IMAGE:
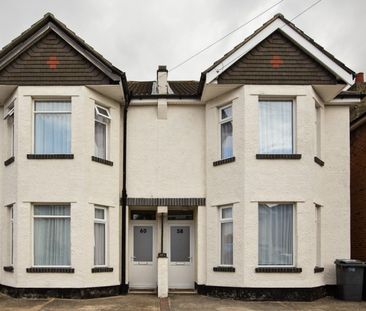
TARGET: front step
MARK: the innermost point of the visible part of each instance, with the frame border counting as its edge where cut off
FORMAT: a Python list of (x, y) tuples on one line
[(142, 291), (179, 291)]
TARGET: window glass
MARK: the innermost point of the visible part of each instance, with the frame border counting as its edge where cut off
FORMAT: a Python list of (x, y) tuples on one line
[(180, 215), (52, 235), (100, 236), (226, 236), (180, 244), (318, 236), (276, 127), (276, 234), (226, 132), (143, 243), (52, 127), (143, 215), (101, 122)]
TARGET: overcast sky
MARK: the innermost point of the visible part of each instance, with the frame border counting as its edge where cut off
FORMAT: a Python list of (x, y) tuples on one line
[(137, 36)]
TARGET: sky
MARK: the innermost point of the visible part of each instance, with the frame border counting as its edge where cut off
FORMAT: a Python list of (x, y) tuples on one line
[(137, 36)]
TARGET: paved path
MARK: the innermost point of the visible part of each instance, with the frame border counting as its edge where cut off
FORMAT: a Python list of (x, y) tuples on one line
[(175, 303)]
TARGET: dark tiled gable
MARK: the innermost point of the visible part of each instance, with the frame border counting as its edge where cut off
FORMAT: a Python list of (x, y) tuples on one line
[(52, 61), (277, 60)]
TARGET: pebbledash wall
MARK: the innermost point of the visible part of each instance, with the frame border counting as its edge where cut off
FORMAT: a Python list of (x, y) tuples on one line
[(173, 151), (79, 181)]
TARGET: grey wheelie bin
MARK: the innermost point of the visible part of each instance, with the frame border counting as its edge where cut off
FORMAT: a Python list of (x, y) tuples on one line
[(349, 279)]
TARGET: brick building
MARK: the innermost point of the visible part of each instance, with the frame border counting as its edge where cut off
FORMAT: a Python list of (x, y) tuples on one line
[(358, 172)]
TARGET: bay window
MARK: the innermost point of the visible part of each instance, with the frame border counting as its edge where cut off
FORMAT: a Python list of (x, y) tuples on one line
[(101, 124), (51, 225), (52, 127), (276, 127), (226, 132), (226, 235), (100, 236), (276, 234)]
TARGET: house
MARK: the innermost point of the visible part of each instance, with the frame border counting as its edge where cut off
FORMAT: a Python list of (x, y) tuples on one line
[(358, 171), (236, 185)]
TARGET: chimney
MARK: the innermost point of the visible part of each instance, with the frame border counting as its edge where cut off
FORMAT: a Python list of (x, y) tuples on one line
[(359, 78), (162, 79)]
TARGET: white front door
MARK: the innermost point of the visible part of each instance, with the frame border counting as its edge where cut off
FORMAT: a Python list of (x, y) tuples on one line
[(143, 270), (181, 254)]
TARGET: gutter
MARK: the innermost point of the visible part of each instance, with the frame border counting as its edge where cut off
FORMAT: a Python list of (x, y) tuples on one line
[(124, 86)]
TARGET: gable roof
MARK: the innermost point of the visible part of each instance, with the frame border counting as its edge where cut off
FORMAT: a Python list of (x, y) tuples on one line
[(49, 24), (279, 22)]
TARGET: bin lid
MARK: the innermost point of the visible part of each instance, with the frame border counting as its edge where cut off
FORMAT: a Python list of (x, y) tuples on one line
[(349, 262)]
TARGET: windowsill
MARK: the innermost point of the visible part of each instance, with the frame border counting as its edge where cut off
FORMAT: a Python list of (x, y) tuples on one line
[(294, 156), (224, 161), (102, 161), (8, 268), (101, 269), (49, 156), (9, 161), (318, 269), (224, 269), (50, 270), (318, 161), (278, 270)]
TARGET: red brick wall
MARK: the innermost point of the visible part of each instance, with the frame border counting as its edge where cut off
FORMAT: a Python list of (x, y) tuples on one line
[(358, 193)]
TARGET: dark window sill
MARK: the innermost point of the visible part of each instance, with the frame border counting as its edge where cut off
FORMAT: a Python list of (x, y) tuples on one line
[(50, 270), (318, 161), (9, 161), (278, 156), (8, 268), (223, 269), (224, 161), (278, 270), (49, 156), (101, 269), (102, 161), (318, 269)]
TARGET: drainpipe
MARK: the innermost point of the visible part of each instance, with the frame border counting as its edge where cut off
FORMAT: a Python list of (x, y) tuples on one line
[(124, 86)]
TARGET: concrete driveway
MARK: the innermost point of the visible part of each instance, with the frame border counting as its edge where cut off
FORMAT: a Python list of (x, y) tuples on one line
[(176, 302)]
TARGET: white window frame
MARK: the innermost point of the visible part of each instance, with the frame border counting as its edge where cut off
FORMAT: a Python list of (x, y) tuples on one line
[(221, 221), (223, 121), (10, 218), (34, 113), (105, 222), (318, 235), (50, 216), (294, 121), (318, 130), (106, 110), (8, 115), (107, 129), (294, 237)]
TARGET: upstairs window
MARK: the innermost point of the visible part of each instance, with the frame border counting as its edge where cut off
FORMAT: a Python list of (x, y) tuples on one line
[(101, 125), (226, 132), (318, 129), (52, 127), (276, 128), (9, 117)]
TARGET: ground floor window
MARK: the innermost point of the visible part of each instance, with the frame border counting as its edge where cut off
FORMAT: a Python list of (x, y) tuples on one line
[(276, 231), (51, 235), (10, 229), (100, 236), (226, 235)]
